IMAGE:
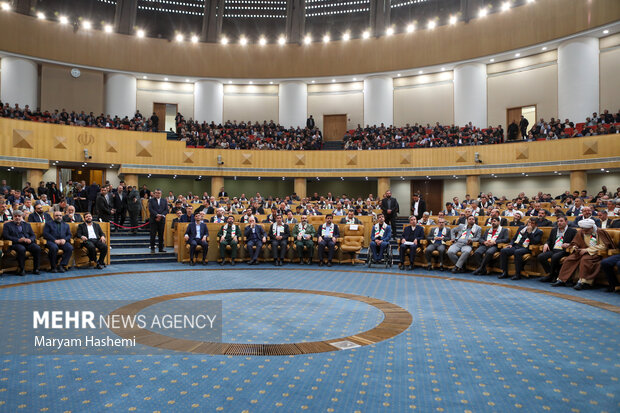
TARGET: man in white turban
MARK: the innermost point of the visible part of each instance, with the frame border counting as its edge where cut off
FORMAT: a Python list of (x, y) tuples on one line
[(584, 255)]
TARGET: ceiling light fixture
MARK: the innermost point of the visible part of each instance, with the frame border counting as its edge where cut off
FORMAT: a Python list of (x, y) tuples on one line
[(431, 24), (410, 28), (282, 40), (224, 40), (452, 20), (326, 38), (41, 15), (506, 6), (179, 37), (63, 20), (194, 39), (366, 35), (389, 31), (346, 37), (6, 6), (140, 33), (307, 39), (262, 41), (243, 41), (86, 25), (483, 12), (107, 28)]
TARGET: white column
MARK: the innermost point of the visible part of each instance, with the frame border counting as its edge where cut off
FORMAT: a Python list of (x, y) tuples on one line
[(19, 82), (209, 101), (578, 78), (120, 95), (378, 101), (292, 104), (470, 94)]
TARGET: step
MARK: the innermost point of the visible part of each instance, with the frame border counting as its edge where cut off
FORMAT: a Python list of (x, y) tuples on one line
[(149, 259), (139, 254), (130, 238), (144, 244)]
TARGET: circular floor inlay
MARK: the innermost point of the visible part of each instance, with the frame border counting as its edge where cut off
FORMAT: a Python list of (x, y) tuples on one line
[(395, 320)]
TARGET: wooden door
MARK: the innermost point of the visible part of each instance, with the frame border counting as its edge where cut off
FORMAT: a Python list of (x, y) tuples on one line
[(160, 111), (96, 175), (334, 127), (513, 114), (431, 191)]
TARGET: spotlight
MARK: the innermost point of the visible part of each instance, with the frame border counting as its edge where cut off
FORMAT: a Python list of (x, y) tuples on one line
[(230, 82), (307, 39), (107, 28), (398, 75), (271, 83), (243, 41), (140, 33), (506, 6), (333, 80), (410, 28), (605, 31), (63, 20), (41, 15), (531, 1), (313, 81), (251, 82), (389, 31), (443, 69), (366, 35), (179, 37), (354, 79), (86, 25), (517, 54), (194, 39), (166, 79), (281, 40), (187, 80), (346, 36), (453, 20), (544, 48), (6, 6), (262, 41), (483, 12), (224, 40), (326, 38), (492, 60), (420, 72), (144, 77), (431, 24)]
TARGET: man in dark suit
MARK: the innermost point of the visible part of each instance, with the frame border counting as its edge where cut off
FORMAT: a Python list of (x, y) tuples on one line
[(523, 126), (555, 248), (495, 214), (93, 191), (418, 206), (586, 212), (222, 193), (542, 219), (134, 206), (525, 237), (437, 238), (497, 234), (58, 236), (196, 234), (104, 207), (5, 213), (278, 235), (158, 208), (71, 216), (93, 239), (254, 237), (615, 223), (310, 122), (327, 234), (390, 209), (120, 205), (21, 235), (350, 218), (410, 240), (38, 215)]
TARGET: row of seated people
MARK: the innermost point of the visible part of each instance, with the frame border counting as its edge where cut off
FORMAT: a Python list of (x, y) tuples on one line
[(562, 250), (438, 135), (58, 239)]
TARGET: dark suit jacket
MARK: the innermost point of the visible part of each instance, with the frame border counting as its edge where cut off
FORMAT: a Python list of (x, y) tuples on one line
[(186, 218), (544, 223), (463, 220), (82, 230), (154, 209), (421, 208), (393, 205), (319, 232), (120, 203), (132, 205), (572, 211), (76, 218), (502, 238), (10, 232), (285, 235), (191, 230), (51, 232), (93, 190), (568, 236), (615, 223), (410, 234), (502, 222), (534, 237), (104, 209), (260, 233), (222, 194), (34, 217), (344, 221)]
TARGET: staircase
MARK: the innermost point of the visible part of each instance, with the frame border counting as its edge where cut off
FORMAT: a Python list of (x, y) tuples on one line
[(400, 223), (127, 248)]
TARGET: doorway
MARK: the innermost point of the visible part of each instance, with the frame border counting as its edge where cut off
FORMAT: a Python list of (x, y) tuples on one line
[(166, 112), (528, 112), (431, 191), (89, 175), (334, 127)]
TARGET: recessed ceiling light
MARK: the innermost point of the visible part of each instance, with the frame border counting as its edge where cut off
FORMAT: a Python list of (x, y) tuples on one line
[(271, 83), (452, 19), (63, 20), (333, 80), (605, 31), (179, 37), (326, 38), (398, 75), (281, 40), (443, 68), (86, 25), (107, 28), (389, 31), (483, 12), (140, 33), (229, 82), (420, 72), (144, 77), (346, 36), (6, 6), (251, 82), (307, 39), (492, 60), (410, 28), (354, 79), (243, 41), (517, 54), (166, 79), (313, 81), (262, 41), (366, 35), (544, 48), (431, 24), (41, 15), (187, 80), (506, 6), (224, 40), (194, 39)]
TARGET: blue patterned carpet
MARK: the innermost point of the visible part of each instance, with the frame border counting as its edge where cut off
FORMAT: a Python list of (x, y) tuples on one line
[(471, 347)]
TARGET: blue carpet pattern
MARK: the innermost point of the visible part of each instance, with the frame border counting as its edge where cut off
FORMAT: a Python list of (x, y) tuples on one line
[(470, 347)]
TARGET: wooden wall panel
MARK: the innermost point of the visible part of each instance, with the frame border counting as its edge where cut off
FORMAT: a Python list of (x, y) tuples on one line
[(546, 20)]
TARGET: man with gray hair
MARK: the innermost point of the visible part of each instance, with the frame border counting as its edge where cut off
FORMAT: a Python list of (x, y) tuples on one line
[(21, 235), (464, 236)]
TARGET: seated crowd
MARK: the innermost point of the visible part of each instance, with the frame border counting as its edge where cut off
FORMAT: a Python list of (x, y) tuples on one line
[(441, 136)]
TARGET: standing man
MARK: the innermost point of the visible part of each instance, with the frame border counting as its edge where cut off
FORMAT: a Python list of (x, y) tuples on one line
[(120, 205), (310, 122), (254, 237), (93, 190), (328, 233), (158, 208), (229, 235), (93, 238), (21, 235), (555, 249), (134, 206), (390, 208), (197, 234), (418, 206), (58, 236), (523, 126), (278, 235), (104, 207), (303, 233)]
